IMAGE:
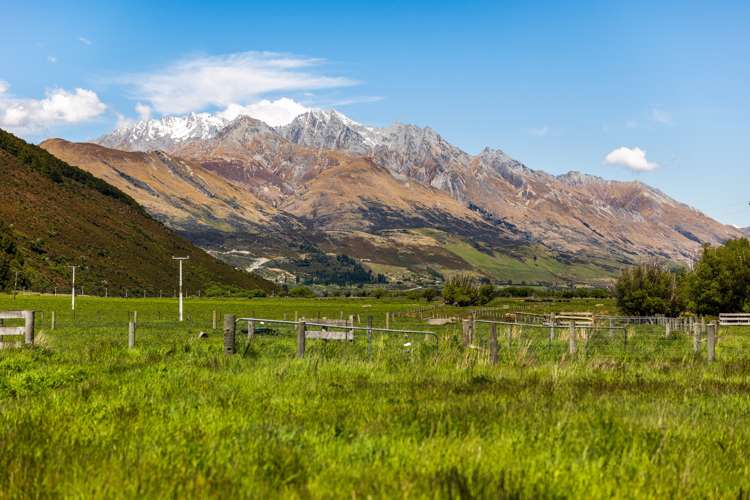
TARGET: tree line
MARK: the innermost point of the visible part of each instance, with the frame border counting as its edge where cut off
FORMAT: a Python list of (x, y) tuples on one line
[(718, 283)]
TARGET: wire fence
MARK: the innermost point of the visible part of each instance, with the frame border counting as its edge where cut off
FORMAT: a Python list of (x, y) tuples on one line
[(537, 337)]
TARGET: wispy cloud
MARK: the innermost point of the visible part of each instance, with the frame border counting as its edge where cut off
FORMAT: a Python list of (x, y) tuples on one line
[(84, 40), (661, 116), (539, 131), (52, 59), (348, 101), (143, 110), (58, 106), (197, 83), (633, 159)]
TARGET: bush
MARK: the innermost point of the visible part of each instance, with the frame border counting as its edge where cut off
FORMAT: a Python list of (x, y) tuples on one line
[(301, 291), (232, 291), (460, 290), (486, 294), (430, 294), (647, 290)]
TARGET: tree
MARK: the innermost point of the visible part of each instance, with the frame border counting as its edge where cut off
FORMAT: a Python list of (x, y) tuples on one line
[(649, 289), (430, 294), (460, 290), (720, 281), (10, 257), (486, 294)]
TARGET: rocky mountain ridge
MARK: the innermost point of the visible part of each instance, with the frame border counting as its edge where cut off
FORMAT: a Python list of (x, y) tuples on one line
[(340, 178)]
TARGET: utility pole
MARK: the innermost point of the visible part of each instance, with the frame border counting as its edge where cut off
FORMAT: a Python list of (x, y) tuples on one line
[(15, 286), (73, 290), (180, 259)]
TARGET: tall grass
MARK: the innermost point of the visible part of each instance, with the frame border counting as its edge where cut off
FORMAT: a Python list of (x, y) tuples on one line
[(83, 416)]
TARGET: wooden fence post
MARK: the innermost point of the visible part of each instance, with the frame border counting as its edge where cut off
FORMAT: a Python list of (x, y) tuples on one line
[(465, 327), (387, 320), (473, 331), (131, 335), (28, 331), (551, 329), (52, 321), (213, 320), (301, 339), (668, 328), (493, 343), (711, 341), (696, 338), (229, 331), (572, 341), (250, 329)]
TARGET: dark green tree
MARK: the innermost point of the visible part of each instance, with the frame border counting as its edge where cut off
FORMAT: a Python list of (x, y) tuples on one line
[(649, 289), (10, 257), (720, 281)]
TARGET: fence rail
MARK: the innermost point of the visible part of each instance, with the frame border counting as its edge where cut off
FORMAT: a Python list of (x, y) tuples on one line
[(303, 333)]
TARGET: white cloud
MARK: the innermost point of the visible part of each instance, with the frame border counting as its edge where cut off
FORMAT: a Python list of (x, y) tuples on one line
[(123, 122), (84, 40), (197, 83), (539, 132), (634, 159), (144, 111), (274, 113), (59, 106), (52, 59), (661, 116)]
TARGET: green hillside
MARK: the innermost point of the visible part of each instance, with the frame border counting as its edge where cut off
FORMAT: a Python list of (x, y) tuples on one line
[(53, 215)]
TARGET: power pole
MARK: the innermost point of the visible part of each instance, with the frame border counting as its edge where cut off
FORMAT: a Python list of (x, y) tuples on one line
[(73, 290), (180, 259), (15, 286)]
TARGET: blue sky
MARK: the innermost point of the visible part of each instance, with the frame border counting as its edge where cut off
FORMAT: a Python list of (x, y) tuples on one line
[(659, 88)]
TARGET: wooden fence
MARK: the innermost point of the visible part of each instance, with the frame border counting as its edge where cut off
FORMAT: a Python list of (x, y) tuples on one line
[(27, 330)]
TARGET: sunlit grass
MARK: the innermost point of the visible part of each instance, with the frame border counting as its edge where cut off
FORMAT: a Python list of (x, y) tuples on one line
[(83, 416)]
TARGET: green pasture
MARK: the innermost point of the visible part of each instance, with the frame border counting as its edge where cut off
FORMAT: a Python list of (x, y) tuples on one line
[(81, 415)]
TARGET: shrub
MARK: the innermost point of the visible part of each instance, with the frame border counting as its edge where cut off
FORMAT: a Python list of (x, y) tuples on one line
[(486, 294), (301, 291), (460, 290)]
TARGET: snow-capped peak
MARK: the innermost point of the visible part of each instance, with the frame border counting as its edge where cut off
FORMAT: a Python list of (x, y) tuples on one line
[(164, 133)]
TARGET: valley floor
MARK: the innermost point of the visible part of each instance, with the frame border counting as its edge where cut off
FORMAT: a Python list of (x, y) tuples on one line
[(83, 416)]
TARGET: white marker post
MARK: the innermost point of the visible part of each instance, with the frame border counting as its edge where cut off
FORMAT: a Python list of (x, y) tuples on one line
[(180, 259), (73, 290)]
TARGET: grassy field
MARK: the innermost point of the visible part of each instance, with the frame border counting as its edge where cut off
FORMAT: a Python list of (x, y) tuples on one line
[(83, 416)]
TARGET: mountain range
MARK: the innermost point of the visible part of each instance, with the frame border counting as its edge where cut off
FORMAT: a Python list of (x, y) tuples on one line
[(401, 199)]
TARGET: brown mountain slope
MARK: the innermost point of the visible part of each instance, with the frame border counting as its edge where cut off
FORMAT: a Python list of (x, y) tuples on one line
[(339, 203), (60, 216), (209, 209), (405, 196)]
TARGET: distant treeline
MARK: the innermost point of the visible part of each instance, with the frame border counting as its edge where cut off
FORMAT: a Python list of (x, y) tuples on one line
[(718, 283)]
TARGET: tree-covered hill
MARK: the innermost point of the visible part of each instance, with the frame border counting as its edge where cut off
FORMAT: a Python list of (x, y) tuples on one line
[(53, 215)]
